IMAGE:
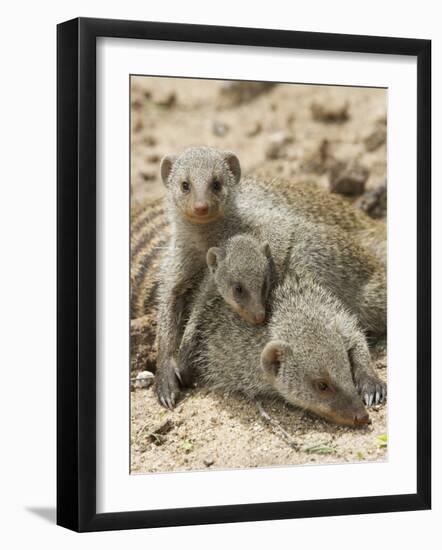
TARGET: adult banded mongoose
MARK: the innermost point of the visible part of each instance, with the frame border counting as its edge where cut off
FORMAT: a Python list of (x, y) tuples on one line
[(206, 206), (311, 352)]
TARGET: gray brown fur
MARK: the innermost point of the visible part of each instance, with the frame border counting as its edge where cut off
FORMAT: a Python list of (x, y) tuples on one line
[(310, 339)]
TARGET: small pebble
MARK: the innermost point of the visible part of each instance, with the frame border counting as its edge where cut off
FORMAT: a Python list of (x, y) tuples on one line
[(348, 178), (144, 379), (276, 147), (330, 112), (153, 158), (376, 139), (254, 129), (165, 100), (150, 141), (220, 129)]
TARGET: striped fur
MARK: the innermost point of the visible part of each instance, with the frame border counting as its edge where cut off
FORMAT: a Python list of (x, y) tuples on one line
[(150, 234)]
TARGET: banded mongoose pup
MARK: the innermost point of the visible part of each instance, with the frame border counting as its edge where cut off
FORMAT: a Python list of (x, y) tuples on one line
[(242, 271), (205, 207), (311, 352), (202, 212)]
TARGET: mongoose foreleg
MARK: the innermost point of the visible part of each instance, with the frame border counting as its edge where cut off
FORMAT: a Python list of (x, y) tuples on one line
[(371, 388), (171, 322)]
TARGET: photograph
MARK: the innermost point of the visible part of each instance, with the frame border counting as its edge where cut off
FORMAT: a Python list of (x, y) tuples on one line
[(258, 274)]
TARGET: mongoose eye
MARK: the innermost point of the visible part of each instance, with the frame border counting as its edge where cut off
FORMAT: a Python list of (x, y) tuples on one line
[(238, 289), (216, 186), (323, 387), (185, 186)]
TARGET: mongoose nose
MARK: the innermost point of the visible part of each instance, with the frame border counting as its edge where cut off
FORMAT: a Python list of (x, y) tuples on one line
[(362, 419), (260, 318), (201, 208)]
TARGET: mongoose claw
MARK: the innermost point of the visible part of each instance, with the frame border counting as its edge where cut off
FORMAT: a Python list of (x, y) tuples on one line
[(178, 375), (372, 390), (167, 385)]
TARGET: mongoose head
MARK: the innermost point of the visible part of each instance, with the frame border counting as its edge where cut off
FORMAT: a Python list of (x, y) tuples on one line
[(311, 366), (242, 273), (200, 182)]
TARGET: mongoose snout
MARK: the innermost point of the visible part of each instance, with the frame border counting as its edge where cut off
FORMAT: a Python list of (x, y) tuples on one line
[(201, 208), (260, 318), (249, 315), (362, 419)]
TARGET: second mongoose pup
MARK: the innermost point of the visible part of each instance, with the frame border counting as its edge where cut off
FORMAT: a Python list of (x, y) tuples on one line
[(243, 273), (310, 352)]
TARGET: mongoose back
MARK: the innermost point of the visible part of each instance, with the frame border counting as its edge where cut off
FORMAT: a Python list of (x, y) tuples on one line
[(206, 206), (311, 352)]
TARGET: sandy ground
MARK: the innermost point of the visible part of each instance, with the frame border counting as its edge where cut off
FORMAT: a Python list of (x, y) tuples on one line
[(274, 134)]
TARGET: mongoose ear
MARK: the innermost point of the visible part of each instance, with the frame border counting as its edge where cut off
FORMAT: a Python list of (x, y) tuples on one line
[(272, 356), (266, 250), (213, 257), (166, 167), (233, 164)]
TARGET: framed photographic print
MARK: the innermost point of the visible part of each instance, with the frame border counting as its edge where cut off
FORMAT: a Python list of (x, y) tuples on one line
[(243, 316)]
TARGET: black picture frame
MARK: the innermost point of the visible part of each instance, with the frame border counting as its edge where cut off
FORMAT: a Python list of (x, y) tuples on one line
[(76, 273)]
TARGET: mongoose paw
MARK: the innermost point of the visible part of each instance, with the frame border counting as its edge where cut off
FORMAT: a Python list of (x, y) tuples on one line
[(372, 390), (167, 384)]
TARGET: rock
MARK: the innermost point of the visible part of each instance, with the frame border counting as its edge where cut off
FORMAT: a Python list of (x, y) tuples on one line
[(143, 380), (150, 141), (164, 428), (166, 99), (374, 202), (276, 147), (348, 178), (321, 160), (148, 176), (234, 93), (136, 105), (330, 112), (138, 126), (254, 129), (377, 138), (220, 129), (208, 462), (158, 435), (153, 158)]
